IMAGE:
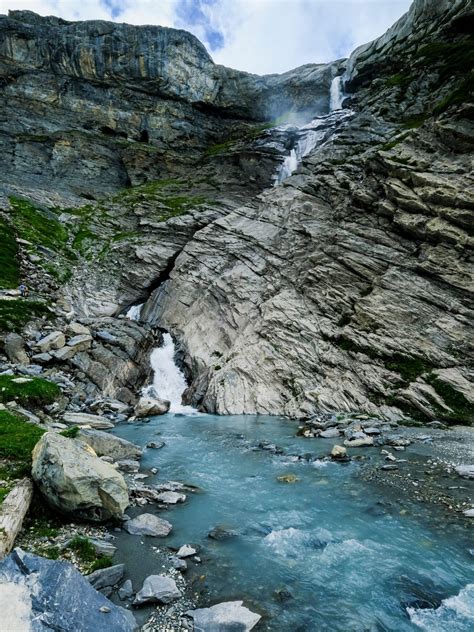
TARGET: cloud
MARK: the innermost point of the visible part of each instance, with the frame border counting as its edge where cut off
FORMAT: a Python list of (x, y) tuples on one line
[(260, 36)]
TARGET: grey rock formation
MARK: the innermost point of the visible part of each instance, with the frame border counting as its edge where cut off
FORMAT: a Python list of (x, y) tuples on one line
[(86, 419), (106, 444), (147, 407), (346, 288), (15, 349), (157, 589), (163, 93), (76, 604), (104, 577), (224, 617), (75, 481), (148, 524)]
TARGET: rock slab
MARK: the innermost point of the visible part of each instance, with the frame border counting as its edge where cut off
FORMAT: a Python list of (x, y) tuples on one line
[(148, 524), (157, 589), (228, 616), (57, 597)]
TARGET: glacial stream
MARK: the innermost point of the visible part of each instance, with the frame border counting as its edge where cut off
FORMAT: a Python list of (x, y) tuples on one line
[(325, 552)]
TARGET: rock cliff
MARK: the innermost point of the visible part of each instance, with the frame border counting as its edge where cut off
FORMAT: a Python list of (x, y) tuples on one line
[(348, 287)]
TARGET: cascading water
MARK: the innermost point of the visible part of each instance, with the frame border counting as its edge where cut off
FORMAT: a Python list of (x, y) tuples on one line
[(312, 133), (134, 312), (168, 381), (336, 97)]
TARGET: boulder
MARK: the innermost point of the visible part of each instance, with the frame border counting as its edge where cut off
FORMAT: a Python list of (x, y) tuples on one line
[(359, 442), (128, 465), (66, 353), (75, 481), (148, 524), (330, 433), (76, 329), (102, 547), (105, 444), (126, 590), (171, 498), (54, 340), (53, 595), (81, 342), (104, 577), (156, 445), (15, 349), (338, 453), (83, 419), (186, 551), (147, 407), (224, 617), (157, 589)]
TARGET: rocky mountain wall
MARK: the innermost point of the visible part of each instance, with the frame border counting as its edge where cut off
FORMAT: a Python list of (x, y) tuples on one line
[(348, 287), (113, 104)]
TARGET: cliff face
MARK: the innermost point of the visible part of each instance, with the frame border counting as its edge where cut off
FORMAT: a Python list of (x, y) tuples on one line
[(346, 288), (123, 104)]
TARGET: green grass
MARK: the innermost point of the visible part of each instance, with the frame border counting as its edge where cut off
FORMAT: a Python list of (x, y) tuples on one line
[(36, 392), (409, 368), (15, 314), (17, 437), (86, 552), (4, 491), (70, 433), (9, 268), (40, 226), (414, 122)]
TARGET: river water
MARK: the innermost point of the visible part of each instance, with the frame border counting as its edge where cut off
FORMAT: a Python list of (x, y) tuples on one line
[(326, 552)]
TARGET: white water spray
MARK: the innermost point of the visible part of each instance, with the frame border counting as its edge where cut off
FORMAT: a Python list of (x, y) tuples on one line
[(336, 96), (134, 312), (168, 380)]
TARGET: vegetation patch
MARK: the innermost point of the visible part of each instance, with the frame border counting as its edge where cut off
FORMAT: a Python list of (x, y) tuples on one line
[(70, 433), (9, 268), (463, 410), (15, 314), (86, 553), (35, 392), (399, 80), (40, 226), (17, 437)]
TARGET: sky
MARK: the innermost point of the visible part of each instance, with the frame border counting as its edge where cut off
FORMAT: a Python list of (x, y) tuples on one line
[(260, 36)]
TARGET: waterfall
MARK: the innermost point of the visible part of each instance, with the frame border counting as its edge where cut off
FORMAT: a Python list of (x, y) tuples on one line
[(134, 312), (336, 96), (310, 135), (168, 380)]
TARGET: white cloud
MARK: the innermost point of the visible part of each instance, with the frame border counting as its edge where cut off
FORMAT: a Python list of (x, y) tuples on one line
[(260, 36)]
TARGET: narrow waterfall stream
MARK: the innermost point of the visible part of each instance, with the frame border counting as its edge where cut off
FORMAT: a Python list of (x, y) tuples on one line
[(312, 133), (168, 380)]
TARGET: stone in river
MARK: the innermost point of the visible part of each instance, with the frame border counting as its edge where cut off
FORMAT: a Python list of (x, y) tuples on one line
[(157, 589), (148, 524), (186, 551), (224, 617)]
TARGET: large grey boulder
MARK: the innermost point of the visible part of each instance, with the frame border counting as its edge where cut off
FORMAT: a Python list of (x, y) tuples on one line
[(75, 481), (229, 616), (52, 595), (147, 407), (105, 444), (15, 349), (148, 524), (157, 589)]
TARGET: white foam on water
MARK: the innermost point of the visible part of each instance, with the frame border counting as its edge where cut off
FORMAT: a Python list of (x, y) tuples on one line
[(15, 608), (134, 312), (455, 614), (168, 381)]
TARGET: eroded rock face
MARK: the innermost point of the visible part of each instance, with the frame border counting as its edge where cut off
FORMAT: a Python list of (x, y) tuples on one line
[(75, 481), (163, 92)]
